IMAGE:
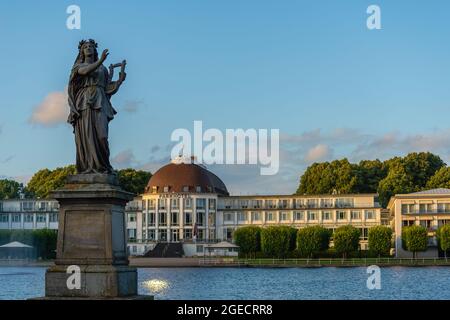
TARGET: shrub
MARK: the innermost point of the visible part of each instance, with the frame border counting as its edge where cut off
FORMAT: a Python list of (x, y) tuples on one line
[(248, 239), (443, 236), (312, 240), (414, 239), (346, 240), (380, 238), (276, 241)]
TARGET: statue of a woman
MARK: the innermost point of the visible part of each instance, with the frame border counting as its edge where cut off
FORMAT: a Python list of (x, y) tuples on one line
[(90, 89)]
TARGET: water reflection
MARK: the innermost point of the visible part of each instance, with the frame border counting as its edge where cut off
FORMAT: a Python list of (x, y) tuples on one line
[(155, 286)]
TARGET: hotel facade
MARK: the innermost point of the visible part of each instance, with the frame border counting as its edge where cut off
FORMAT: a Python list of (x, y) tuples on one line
[(187, 204), (429, 208)]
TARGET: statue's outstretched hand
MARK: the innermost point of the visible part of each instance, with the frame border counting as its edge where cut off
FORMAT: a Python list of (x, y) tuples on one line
[(105, 54)]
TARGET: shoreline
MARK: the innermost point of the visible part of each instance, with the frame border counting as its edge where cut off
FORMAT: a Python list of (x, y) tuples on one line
[(197, 262)]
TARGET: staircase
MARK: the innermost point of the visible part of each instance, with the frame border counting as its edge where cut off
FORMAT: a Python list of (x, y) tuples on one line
[(166, 250)]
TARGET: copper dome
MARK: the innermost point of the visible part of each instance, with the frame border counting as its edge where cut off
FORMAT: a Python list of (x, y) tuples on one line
[(185, 177)]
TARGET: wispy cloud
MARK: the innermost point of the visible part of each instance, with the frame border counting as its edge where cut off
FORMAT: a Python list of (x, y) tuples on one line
[(132, 106), (53, 110)]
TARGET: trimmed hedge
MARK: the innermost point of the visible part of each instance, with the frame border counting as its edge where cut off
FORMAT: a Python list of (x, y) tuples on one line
[(414, 239), (248, 239), (312, 240), (380, 240), (346, 240), (277, 241)]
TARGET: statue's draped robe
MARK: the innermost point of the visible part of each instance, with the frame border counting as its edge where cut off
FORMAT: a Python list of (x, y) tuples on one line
[(90, 113)]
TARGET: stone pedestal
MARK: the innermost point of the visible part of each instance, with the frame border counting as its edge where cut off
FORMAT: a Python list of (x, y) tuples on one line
[(92, 237)]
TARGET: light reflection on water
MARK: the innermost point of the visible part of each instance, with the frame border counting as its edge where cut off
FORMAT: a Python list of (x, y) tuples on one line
[(253, 283)]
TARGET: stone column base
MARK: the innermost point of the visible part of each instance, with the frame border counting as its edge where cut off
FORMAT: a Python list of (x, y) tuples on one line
[(102, 281)]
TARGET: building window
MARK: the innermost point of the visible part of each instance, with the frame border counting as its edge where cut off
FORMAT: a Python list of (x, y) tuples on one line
[(151, 219), (187, 234), (369, 214), (199, 249), (344, 202), (27, 206), (408, 208), (283, 204), (201, 203), (256, 216), (326, 215), (154, 189), (300, 203), (269, 216), (299, 216), (312, 215), (151, 234), (188, 203), (228, 233), (270, 204), (443, 207), (162, 204), (163, 235), (198, 189), (200, 218), (16, 218), (40, 217), (185, 188), (4, 218), (312, 203), (131, 234), (166, 189), (342, 215), (356, 215), (28, 217), (188, 218), (256, 204), (175, 203), (131, 217), (53, 217), (228, 217), (174, 218), (212, 204), (162, 219), (326, 203), (285, 216), (151, 204), (242, 216)]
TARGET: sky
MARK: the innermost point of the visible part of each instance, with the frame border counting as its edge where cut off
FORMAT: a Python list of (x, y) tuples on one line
[(311, 69)]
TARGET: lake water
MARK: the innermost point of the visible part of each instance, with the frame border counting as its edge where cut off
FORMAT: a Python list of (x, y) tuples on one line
[(253, 283)]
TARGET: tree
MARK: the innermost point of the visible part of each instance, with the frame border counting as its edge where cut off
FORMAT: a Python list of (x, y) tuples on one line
[(380, 238), (248, 239), (397, 181), (44, 181), (312, 240), (414, 239), (443, 236), (276, 241), (441, 179), (132, 180), (346, 240), (327, 177), (370, 173), (9, 189)]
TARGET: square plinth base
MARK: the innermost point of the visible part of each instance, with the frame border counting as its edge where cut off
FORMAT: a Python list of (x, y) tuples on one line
[(95, 281)]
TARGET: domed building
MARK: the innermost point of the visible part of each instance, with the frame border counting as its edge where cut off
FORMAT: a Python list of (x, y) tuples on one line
[(186, 207)]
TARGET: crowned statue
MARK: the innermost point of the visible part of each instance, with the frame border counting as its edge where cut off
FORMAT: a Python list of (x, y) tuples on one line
[(90, 89)]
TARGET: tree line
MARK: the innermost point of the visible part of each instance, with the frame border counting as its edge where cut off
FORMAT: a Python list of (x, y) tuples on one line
[(414, 172), (309, 242), (46, 180), (314, 241)]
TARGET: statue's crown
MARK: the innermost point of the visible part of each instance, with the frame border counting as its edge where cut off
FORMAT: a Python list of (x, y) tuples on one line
[(86, 41)]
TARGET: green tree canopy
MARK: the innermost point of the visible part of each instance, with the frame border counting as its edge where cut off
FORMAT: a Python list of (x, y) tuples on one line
[(397, 175), (414, 239), (380, 238), (312, 240), (9, 189), (443, 236), (346, 240), (132, 180), (45, 180), (248, 239), (441, 179), (276, 241)]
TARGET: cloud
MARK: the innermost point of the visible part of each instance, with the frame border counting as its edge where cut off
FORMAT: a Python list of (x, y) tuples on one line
[(124, 158), (132, 106), (53, 110), (318, 153)]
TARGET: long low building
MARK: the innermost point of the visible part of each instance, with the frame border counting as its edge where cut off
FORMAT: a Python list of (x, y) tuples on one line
[(186, 203)]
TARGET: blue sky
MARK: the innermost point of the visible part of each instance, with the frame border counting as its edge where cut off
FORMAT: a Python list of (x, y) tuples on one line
[(309, 68)]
